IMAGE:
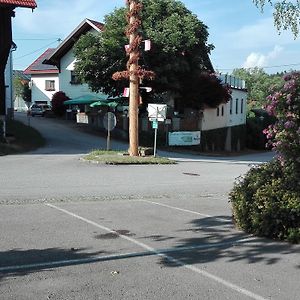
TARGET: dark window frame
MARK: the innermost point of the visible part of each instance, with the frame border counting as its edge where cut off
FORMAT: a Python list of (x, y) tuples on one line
[(74, 78), (49, 85)]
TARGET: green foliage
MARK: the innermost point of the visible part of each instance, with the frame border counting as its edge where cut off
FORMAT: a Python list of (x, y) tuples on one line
[(265, 204), (57, 103), (178, 57), (257, 121), (18, 86), (119, 158), (267, 200), (259, 85), (286, 14), (284, 135), (26, 93)]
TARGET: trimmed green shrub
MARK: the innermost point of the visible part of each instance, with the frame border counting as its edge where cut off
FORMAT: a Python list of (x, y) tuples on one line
[(267, 203)]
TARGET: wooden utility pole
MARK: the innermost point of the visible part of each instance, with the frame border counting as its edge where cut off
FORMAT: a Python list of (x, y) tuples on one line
[(133, 86), (134, 72)]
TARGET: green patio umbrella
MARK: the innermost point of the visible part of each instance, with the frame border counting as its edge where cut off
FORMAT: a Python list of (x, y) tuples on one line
[(112, 104), (86, 99)]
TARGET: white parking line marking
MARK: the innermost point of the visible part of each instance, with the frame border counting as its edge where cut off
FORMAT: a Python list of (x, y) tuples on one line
[(169, 258), (69, 262), (184, 210)]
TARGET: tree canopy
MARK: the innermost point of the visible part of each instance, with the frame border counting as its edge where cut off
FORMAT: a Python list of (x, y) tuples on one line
[(259, 85), (179, 54), (286, 14)]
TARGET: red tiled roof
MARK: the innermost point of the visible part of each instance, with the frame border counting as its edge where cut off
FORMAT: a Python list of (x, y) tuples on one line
[(37, 67), (21, 3), (97, 24)]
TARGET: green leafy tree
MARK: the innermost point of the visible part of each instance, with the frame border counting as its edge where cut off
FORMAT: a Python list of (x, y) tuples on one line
[(26, 93), (286, 14), (259, 85), (22, 89), (18, 86), (179, 55)]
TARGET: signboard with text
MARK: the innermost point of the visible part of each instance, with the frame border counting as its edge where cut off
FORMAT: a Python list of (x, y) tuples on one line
[(184, 138)]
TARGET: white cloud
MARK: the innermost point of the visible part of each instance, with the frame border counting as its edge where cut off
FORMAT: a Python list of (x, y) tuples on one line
[(258, 35), (255, 59)]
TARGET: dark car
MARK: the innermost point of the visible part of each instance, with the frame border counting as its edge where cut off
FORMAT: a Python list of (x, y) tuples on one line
[(38, 109)]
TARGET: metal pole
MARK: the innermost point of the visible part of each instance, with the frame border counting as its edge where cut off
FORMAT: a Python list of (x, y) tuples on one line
[(108, 140), (155, 142)]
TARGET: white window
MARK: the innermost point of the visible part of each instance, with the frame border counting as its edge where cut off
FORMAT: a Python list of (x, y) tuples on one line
[(49, 85)]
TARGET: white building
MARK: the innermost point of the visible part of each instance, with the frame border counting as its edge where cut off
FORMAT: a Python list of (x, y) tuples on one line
[(8, 75), (64, 60), (228, 114), (44, 79)]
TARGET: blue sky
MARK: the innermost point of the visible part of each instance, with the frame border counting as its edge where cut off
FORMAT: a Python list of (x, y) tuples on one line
[(242, 35)]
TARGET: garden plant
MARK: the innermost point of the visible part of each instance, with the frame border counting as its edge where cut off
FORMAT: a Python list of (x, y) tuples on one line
[(266, 201)]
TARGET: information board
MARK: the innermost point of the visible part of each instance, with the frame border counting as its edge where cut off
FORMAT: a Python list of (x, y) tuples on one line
[(184, 138)]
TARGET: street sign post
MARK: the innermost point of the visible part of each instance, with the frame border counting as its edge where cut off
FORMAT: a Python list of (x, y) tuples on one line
[(156, 113), (109, 123)]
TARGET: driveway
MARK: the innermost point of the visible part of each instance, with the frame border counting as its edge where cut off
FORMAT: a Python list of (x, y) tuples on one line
[(74, 230)]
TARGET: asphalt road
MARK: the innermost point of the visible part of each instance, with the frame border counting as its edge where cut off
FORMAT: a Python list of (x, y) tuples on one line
[(74, 230)]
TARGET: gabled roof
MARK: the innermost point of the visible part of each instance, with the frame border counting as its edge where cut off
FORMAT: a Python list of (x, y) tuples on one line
[(19, 3), (20, 74), (37, 67), (85, 26)]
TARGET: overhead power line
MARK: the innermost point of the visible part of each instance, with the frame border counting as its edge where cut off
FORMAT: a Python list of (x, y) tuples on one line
[(58, 40), (36, 39), (263, 67)]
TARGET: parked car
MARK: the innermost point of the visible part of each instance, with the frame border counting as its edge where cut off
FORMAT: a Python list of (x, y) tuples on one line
[(38, 109)]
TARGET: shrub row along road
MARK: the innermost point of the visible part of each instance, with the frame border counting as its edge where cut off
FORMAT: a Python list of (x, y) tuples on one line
[(75, 230)]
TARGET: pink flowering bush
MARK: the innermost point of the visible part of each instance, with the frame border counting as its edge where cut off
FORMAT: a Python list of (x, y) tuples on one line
[(284, 135), (266, 201)]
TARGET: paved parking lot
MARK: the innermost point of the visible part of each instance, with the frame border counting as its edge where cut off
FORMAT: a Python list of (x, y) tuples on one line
[(138, 249), (72, 230)]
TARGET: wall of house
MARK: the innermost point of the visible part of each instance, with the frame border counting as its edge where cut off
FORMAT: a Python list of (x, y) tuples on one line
[(230, 114), (8, 84), (38, 85), (72, 90)]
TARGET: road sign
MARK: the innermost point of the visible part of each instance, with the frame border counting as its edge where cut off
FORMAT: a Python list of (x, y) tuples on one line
[(154, 124), (157, 112), (109, 121)]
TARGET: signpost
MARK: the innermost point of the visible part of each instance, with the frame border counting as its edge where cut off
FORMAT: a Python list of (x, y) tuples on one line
[(156, 113), (109, 123)]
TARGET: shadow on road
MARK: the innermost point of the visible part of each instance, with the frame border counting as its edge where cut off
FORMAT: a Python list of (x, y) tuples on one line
[(222, 242), (18, 262)]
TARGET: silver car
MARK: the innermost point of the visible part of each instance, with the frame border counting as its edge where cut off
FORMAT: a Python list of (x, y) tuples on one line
[(38, 109)]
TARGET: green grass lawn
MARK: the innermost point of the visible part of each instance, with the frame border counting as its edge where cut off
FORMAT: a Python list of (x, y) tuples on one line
[(20, 138), (122, 158)]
